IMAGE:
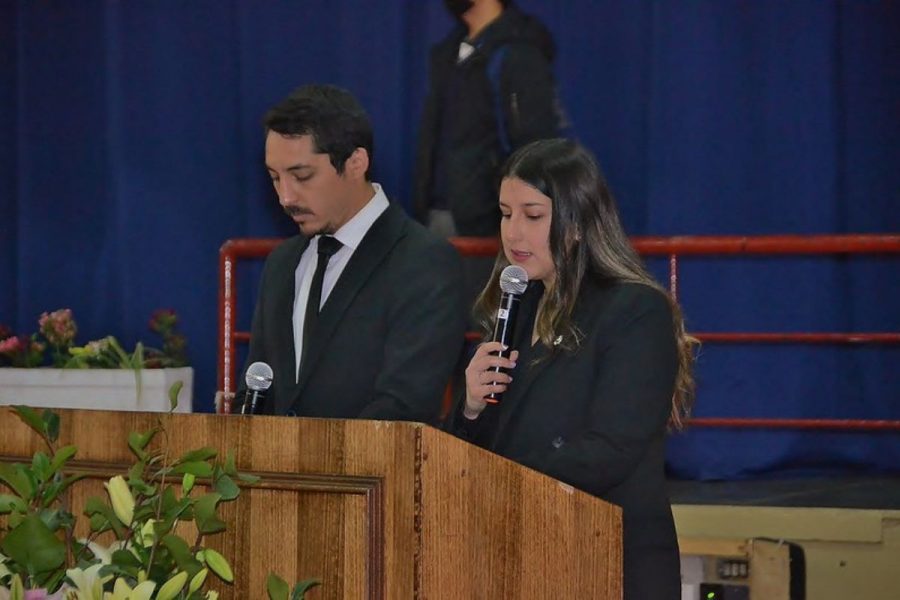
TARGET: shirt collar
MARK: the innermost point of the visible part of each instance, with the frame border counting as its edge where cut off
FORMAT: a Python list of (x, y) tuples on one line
[(352, 232)]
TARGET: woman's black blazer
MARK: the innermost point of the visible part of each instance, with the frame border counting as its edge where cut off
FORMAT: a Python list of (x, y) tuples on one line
[(596, 418)]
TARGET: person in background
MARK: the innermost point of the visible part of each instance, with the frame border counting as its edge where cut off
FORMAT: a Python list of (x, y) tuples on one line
[(491, 90), (602, 366), (360, 315)]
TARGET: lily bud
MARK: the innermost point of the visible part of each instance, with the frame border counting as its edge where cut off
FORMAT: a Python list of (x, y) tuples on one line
[(122, 500), (147, 535), (171, 588), (197, 581), (219, 565)]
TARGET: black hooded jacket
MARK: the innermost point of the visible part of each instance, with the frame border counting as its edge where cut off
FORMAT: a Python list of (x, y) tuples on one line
[(460, 149)]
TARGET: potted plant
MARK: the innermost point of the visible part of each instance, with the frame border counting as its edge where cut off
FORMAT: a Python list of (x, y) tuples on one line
[(100, 374), (135, 549)]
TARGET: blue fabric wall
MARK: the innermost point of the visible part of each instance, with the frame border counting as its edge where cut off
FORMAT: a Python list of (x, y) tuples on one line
[(132, 149)]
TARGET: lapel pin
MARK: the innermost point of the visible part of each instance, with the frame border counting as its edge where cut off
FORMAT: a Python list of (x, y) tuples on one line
[(558, 340)]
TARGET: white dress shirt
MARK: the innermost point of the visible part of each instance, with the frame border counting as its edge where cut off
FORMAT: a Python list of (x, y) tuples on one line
[(349, 235)]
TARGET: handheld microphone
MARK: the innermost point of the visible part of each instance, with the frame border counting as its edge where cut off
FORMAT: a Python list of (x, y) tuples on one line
[(513, 283), (258, 378)]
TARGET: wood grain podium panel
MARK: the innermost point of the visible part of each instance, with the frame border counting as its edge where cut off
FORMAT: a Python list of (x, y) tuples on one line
[(373, 509), (494, 529)]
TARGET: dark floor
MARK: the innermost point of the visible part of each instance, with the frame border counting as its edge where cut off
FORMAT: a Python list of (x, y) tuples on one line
[(838, 492)]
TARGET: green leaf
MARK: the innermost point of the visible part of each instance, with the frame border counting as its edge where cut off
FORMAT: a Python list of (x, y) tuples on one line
[(51, 420), (14, 519), (124, 558), (62, 455), (124, 360), (200, 454), (137, 360), (231, 470), (15, 477), (31, 418), (178, 548), (33, 545), (227, 488), (229, 466), (277, 587), (60, 486), (9, 503), (205, 514), (99, 523), (187, 483), (136, 479), (29, 475), (161, 528), (136, 472), (168, 501), (95, 506), (197, 468), (142, 512), (40, 465), (302, 587), (141, 487), (181, 554), (52, 580), (173, 394), (138, 441), (56, 519)]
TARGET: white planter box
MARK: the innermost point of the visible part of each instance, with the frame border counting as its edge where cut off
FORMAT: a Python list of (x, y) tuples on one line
[(101, 389)]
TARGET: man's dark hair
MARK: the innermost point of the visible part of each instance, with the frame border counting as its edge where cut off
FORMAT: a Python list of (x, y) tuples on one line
[(336, 121)]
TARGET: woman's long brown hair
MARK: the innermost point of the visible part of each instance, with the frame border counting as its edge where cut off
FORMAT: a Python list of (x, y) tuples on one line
[(586, 237)]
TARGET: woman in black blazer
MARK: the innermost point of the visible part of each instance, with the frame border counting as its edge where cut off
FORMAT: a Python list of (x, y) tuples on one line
[(603, 365)]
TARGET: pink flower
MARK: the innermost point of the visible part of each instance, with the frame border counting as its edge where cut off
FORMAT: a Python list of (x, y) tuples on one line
[(58, 327), (42, 594), (22, 351), (10, 345)]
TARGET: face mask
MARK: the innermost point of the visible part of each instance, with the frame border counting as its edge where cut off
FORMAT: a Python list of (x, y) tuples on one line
[(458, 7)]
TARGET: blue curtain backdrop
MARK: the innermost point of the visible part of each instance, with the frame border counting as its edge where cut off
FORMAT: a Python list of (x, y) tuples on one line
[(132, 148)]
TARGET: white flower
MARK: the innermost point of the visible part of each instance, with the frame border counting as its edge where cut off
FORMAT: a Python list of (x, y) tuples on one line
[(88, 583), (104, 553), (121, 591)]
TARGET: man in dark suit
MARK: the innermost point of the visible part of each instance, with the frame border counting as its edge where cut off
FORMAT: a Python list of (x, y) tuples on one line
[(361, 314)]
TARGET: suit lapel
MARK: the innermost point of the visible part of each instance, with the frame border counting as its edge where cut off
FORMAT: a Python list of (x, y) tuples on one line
[(375, 246), (284, 313), (525, 381)]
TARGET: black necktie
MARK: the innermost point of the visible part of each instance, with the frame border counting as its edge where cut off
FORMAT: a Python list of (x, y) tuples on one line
[(327, 247)]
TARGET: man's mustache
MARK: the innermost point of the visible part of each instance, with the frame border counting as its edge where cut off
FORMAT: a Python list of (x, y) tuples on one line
[(294, 211)]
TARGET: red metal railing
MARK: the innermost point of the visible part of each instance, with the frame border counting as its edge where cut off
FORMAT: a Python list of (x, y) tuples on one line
[(671, 247)]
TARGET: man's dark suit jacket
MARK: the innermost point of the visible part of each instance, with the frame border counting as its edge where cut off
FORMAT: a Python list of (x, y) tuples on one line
[(387, 337), (596, 419)]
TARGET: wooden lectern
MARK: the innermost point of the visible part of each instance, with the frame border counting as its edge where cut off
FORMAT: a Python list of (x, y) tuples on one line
[(373, 509)]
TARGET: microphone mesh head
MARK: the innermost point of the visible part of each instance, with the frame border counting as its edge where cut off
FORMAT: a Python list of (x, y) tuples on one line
[(259, 376), (513, 280)]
